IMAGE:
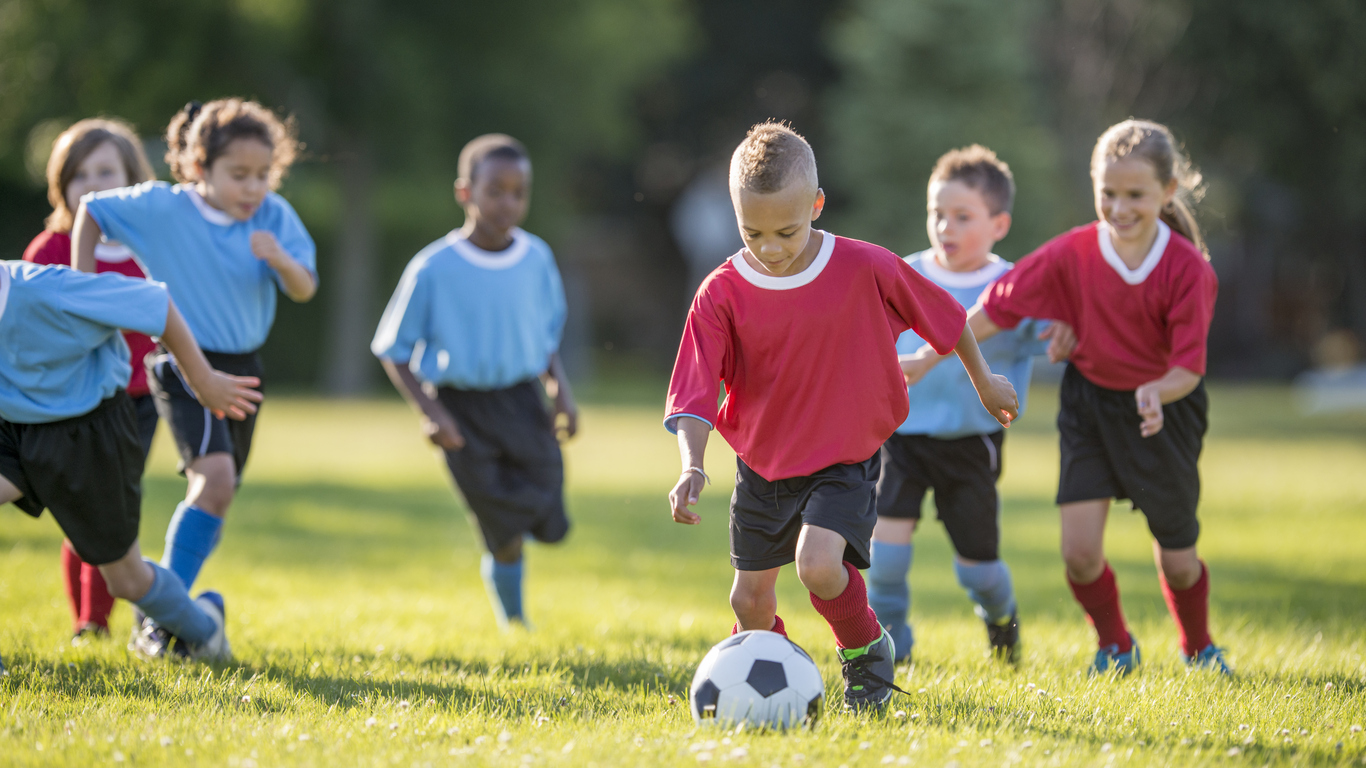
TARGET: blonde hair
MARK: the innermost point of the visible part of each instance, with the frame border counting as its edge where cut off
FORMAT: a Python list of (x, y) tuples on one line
[(769, 157), (1153, 142), (199, 134), (71, 149)]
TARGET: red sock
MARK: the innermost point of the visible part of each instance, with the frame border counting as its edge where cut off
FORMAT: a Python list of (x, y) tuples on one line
[(1190, 608), (777, 627), (71, 578), (1100, 598), (96, 602), (853, 622)]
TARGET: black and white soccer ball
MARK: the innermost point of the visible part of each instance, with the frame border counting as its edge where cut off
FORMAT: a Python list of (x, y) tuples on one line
[(760, 679)]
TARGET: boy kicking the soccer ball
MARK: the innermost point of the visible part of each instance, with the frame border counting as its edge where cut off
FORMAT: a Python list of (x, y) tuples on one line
[(801, 326), (68, 431)]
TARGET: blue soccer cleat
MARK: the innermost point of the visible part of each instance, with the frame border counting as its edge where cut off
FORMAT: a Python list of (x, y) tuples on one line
[(1110, 659), (1209, 657)]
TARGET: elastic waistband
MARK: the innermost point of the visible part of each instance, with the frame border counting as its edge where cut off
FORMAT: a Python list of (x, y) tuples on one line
[(494, 391)]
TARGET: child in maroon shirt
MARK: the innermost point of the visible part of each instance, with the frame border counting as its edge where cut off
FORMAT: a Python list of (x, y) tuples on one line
[(92, 156), (1139, 290), (801, 326)]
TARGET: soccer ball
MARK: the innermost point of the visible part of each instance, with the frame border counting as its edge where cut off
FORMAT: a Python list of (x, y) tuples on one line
[(757, 678)]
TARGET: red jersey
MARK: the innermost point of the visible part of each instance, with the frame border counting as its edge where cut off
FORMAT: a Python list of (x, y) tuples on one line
[(1132, 325), (55, 248), (809, 361)]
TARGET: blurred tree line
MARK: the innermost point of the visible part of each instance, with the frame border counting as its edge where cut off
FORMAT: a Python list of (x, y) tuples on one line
[(630, 107)]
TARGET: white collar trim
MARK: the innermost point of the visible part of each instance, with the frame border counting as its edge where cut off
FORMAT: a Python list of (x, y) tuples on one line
[(112, 253), (949, 279), (210, 213), (774, 283), (1134, 276), (504, 259), (4, 288)]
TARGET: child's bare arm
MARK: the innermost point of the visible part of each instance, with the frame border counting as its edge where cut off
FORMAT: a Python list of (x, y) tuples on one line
[(557, 386), (1174, 385), (85, 235), (998, 396), (437, 422), (231, 396), (295, 278), (915, 365), (692, 447)]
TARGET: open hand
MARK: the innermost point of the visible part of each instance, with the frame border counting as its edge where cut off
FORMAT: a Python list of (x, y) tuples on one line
[(443, 432), (266, 247), (998, 395), (684, 495), (1150, 408), (914, 367), (232, 397), (1062, 339)]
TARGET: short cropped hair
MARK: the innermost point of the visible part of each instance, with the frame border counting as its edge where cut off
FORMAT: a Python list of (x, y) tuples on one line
[(488, 147), (770, 157), (979, 168)]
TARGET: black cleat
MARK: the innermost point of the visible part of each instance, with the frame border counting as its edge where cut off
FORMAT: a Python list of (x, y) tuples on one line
[(868, 674), (150, 641), (1005, 639)]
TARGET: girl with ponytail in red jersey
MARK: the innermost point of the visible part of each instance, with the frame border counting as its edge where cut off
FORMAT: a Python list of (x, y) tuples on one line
[(1138, 288)]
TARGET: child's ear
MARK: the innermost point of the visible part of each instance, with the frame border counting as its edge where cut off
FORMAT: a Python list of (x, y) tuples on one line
[(818, 206), (1000, 226), (462, 191)]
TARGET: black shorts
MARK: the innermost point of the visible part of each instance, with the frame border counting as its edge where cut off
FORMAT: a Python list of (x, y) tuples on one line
[(510, 471), (766, 518), (86, 470), (145, 407), (1104, 456), (196, 430), (963, 473)]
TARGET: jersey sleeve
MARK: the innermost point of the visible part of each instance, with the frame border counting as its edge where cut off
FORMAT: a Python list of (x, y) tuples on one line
[(404, 321), (703, 357), (49, 248), (293, 237), (1189, 319), (914, 302), (129, 214), (1033, 288), (116, 301)]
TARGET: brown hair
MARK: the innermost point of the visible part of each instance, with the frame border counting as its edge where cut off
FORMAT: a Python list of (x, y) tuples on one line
[(200, 134), (1147, 140), (979, 168), (490, 146), (770, 154), (71, 149)]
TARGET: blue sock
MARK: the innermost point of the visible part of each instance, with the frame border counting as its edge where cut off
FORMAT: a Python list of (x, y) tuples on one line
[(889, 593), (989, 585), (504, 582), (190, 538), (168, 603)]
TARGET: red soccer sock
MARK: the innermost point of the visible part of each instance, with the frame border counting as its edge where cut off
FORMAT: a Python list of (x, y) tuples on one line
[(849, 616), (71, 579), (96, 602), (1100, 598), (777, 627), (1190, 608)]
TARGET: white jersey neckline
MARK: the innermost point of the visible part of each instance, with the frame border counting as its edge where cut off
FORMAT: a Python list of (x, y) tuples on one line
[(947, 278), (493, 260), (210, 213), (1134, 276), (774, 283)]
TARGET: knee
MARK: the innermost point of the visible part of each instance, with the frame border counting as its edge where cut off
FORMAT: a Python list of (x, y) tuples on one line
[(748, 604), (215, 490), (821, 575), (510, 552), (1084, 563)]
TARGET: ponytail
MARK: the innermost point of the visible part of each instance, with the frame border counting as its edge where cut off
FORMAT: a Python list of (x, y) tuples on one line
[(200, 133), (1154, 143), (177, 135)]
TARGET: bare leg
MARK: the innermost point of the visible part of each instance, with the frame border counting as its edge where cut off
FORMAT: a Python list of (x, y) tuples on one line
[(212, 483), (1083, 539), (1180, 567), (129, 577), (754, 598), (820, 562), (895, 530)]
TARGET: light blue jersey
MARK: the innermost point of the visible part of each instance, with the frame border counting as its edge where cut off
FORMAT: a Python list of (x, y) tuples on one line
[(204, 256), (473, 319), (61, 352), (944, 404)]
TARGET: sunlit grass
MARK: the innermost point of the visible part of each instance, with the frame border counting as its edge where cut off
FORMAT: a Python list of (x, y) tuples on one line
[(363, 635)]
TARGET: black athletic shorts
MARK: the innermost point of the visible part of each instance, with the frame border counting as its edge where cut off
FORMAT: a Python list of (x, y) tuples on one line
[(86, 470), (145, 407), (1104, 455), (196, 430), (510, 471), (766, 518), (963, 473)]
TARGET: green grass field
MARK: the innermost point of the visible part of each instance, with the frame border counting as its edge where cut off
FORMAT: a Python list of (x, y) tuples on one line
[(363, 635)]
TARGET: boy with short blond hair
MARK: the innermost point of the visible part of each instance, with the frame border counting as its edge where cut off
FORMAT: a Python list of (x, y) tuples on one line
[(801, 327), (947, 443)]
